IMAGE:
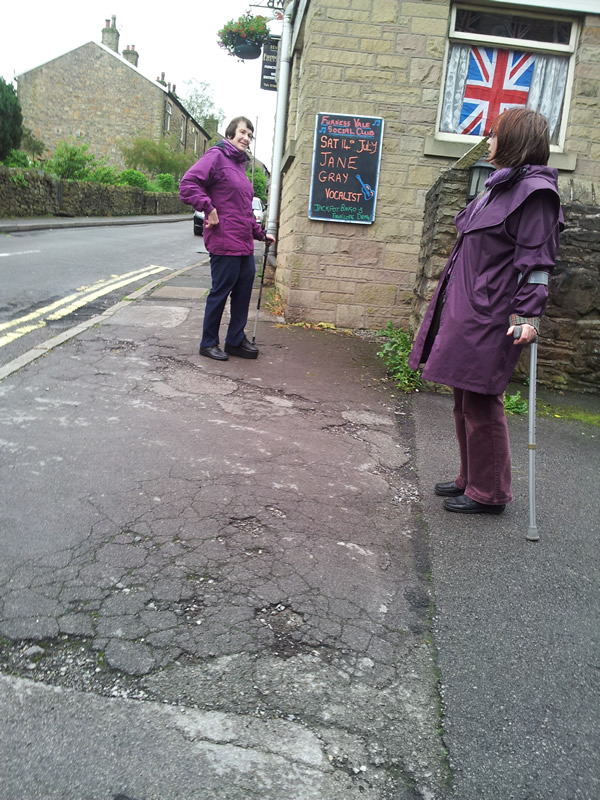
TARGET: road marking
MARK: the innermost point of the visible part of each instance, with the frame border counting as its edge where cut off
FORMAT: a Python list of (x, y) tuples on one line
[(19, 253), (65, 306)]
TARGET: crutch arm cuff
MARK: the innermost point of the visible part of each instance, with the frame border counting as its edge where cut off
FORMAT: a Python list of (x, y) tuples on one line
[(515, 319)]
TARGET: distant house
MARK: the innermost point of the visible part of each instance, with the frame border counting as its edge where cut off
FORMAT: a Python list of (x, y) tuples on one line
[(95, 95)]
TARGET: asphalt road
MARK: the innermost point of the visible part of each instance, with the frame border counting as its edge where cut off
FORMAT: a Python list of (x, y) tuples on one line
[(51, 280)]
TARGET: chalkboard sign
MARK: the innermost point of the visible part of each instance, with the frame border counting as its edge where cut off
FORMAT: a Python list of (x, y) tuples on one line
[(345, 169)]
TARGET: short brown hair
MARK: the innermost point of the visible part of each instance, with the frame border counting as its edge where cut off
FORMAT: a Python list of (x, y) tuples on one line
[(522, 137), (233, 126)]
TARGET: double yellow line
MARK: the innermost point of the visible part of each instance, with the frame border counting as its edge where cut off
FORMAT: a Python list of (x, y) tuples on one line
[(61, 308)]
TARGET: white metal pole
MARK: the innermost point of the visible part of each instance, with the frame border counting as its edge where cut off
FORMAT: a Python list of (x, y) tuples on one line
[(283, 85)]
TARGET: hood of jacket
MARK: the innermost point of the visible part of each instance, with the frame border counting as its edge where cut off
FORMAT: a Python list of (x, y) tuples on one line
[(231, 151), (507, 195)]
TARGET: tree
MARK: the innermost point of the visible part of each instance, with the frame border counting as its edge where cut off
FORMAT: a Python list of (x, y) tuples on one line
[(72, 161), (11, 119), (157, 157), (260, 181), (199, 102), (31, 144)]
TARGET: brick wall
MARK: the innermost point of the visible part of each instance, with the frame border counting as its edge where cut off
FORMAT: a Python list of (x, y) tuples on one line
[(384, 58)]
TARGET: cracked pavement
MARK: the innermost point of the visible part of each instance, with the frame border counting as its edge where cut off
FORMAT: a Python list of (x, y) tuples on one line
[(214, 576)]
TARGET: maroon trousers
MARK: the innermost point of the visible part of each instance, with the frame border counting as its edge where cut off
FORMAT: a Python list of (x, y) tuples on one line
[(482, 435)]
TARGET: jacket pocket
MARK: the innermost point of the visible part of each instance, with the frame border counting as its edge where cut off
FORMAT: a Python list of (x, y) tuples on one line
[(480, 299)]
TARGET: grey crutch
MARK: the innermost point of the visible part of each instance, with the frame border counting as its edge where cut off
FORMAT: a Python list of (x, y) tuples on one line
[(532, 531), (541, 277)]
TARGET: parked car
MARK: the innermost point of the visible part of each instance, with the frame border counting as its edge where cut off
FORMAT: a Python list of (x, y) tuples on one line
[(259, 211), (198, 223)]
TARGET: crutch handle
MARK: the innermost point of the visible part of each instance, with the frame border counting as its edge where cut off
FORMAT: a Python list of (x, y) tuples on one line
[(517, 332)]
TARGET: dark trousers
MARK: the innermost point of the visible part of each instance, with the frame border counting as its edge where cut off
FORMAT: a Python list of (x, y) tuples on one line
[(482, 435), (231, 275)]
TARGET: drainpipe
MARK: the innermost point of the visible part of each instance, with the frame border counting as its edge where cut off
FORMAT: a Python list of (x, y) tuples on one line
[(283, 86)]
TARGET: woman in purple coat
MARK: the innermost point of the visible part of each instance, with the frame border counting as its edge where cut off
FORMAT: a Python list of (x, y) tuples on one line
[(496, 278), (217, 184)]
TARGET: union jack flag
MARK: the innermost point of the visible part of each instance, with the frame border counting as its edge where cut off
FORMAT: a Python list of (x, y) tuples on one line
[(496, 80)]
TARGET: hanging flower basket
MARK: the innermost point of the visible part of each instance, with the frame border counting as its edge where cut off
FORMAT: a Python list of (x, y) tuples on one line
[(245, 49), (244, 37)]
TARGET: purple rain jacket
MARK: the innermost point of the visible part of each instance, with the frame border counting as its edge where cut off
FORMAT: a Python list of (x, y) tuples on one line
[(218, 180), (485, 281)]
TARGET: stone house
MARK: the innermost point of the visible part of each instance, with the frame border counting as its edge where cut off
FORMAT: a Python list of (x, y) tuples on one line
[(96, 95), (408, 62)]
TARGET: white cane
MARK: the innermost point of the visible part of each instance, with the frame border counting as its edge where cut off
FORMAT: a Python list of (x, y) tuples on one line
[(532, 532)]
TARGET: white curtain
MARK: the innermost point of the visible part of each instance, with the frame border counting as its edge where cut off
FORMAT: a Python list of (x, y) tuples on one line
[(547, 90), (546, 93), (456, 77)]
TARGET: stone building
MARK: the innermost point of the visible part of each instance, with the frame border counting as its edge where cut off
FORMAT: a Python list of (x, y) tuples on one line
[(96, 95), (407, 62)]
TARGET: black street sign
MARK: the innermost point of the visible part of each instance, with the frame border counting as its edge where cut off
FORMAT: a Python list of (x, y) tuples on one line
[(268, 77)]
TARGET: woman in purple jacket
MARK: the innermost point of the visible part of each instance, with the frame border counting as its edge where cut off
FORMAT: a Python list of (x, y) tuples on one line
[(217, 184), (496, 278)]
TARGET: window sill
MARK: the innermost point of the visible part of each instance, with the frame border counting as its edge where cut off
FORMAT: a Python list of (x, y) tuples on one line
[(454, 150)]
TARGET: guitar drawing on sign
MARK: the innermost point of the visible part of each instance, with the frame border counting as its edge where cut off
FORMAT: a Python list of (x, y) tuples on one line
[(368, 193)]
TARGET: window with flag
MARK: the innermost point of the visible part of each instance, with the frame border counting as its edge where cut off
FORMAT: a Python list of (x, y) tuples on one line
[(500, 59)]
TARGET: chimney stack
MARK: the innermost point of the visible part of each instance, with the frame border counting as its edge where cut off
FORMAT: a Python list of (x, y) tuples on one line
[(110, 35), (131, 55)]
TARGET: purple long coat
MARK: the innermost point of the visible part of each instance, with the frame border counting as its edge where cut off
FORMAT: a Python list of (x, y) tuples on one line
[(485, 281), (218, 180)]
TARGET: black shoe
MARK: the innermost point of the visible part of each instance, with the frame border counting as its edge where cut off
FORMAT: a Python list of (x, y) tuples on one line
[(244, 349), (464, 505), (449, 489), (214, 352)]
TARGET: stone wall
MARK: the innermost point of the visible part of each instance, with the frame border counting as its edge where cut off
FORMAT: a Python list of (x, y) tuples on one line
[(569, 346), (384, 58), (31, 193)]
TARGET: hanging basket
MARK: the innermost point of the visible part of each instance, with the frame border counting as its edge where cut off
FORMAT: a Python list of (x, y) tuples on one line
[(245, 49)]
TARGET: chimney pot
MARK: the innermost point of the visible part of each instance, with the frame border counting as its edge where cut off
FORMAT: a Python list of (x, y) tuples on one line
[(130, 55), (110, 35)]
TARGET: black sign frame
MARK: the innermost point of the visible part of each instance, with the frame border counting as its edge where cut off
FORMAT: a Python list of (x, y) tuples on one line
[(268, 75), (345, 168)]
